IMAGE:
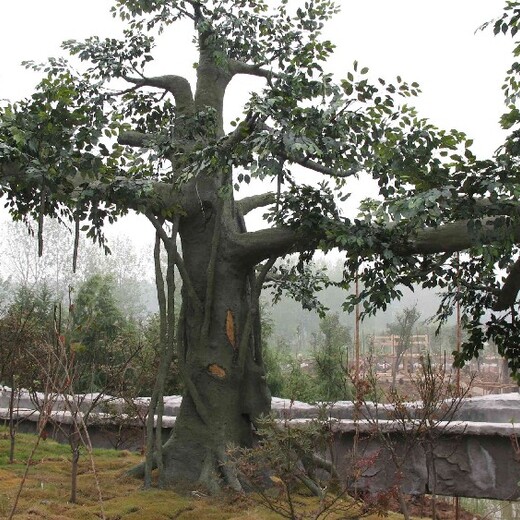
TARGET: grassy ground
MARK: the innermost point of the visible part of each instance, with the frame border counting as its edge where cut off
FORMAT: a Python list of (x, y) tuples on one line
[(46, 491)]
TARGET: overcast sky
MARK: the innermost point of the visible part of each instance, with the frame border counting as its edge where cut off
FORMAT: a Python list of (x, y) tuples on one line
[(432, 42)]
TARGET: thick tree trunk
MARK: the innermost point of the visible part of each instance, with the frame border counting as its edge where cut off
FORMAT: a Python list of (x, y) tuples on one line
[(218, 336), (196, 452), (219, 353)]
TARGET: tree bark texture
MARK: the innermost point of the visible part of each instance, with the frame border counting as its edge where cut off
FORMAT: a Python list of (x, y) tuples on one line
[(218, 349)]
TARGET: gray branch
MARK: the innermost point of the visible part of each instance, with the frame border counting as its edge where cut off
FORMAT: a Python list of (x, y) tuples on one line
[(239, 67), (449, 238), (135, 139), (509, 291), (178, 86), (311, 164), (243, 130), (248, 204), (320, 168)]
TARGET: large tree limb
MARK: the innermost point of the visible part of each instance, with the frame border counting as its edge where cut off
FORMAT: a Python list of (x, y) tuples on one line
[(449, 238), (178, 86), (456, 236), (239, 67), (256, 246), (135, 139)]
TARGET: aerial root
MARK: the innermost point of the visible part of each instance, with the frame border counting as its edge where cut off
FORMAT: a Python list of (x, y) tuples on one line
[(312, 486), (229, 471), (136, 471), (208, 475), (325, 464), (218, 470)]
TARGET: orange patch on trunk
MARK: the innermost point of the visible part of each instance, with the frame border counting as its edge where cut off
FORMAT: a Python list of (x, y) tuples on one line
[(230, 329), (217, 371)]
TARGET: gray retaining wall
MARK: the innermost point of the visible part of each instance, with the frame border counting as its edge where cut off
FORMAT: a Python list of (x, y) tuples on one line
[(475, 455)]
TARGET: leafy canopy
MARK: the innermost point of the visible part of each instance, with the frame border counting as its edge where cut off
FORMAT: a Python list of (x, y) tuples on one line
[(97, 141)]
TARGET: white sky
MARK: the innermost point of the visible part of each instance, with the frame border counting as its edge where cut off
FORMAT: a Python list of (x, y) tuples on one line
[(432, 42)]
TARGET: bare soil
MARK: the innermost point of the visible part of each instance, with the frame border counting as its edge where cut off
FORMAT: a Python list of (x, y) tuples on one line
[(421, 506)]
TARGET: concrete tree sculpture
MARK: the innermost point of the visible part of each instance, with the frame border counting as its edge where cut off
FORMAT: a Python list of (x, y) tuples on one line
[(86, 149)]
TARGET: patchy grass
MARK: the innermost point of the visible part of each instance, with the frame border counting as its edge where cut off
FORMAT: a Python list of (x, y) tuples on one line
[(46, 491)]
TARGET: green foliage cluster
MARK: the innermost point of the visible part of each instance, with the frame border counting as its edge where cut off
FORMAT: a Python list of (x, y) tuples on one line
[(301, 282), (25, 326), (106, 351)]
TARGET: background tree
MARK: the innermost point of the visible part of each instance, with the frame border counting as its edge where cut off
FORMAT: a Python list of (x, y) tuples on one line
[(331, 359), (403, 328), (97, 322), (24, 328), (131, 269), (175, 161)]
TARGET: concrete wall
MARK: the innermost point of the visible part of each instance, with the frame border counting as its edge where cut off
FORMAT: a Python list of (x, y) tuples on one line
[(500, 408), (476, 460), (468, 457)]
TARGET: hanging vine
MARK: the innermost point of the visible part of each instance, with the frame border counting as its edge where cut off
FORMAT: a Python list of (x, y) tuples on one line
[(41, 217), (210, 284), (76, 243)]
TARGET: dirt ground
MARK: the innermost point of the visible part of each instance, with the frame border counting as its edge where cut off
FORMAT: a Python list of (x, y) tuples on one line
[(445, 509)]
